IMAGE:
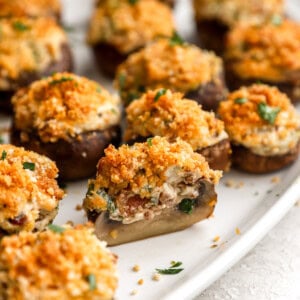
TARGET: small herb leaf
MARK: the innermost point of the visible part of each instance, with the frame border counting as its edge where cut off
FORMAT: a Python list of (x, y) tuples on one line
[(29, 166), (268, 113), (20, 26), (187, 205), (169, 271), (122, 80), (176, 39), (160, 93), (176, 264), (276, 20), (149, 141), (1, 140), (240, 100), (61, 80), (4, 154), (56, 228), (91, 279)]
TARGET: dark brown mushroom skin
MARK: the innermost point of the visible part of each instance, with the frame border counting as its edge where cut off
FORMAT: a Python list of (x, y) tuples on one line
[(65, 64), (170, 220), (212, 35), (77, 157), (245, 160), (218, 155), (291, 87)]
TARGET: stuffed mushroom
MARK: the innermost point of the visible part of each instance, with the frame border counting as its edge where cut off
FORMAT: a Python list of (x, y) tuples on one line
[(149, 189), (29, 193), (163, 113), (264, 128), (68, 118), (176, 65)]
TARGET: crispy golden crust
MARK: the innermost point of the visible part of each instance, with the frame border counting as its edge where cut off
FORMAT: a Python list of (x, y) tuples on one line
[(231, 12), (261, 118), (25, 192), (28, 45), (51, 265), (268, 52), (141, 169), (164, 64), (64, 105), (171, 116), (129, 26), (32, 8)]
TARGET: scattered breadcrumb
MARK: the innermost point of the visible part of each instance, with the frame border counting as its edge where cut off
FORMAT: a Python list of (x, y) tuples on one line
[(114, 234), (136, 268), (237, 231), (141, 281), (133, 292), (275, 179), (297, 203), (71, 223), (156, 277), (233, 184), (214, 246), (78, 207), (216, 238)]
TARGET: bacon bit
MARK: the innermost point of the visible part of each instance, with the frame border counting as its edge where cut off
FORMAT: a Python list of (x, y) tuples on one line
[(78, 207), (275, 179), (156, 277), (133, 292), (114, 234), (140, 281), (237, 231), (214, 246), (216, 238), (136, 268)]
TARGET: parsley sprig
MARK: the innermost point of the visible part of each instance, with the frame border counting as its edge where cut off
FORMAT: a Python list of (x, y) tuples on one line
[(19, 26), (160, 93), (3, 155), (267, 112), (172, 270), (29, 166), (176, 39), (61, 80), (187, 205)]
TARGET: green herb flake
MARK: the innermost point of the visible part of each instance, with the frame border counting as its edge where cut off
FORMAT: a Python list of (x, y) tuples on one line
[(187, 205), (3, 155), (160, 93), (91, 279), (122, 80), (19, 26), (149, 141), (176, 264), (276, 20), (99, 89), (240, 100), (29, 166), (61, 80), (1, 140), (267, 113), (176, 39), (110, 203), (56, 228), (90, 190), (169, 271)]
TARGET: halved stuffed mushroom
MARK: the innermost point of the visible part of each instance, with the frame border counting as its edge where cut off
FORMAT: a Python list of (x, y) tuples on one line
[(68, 118), (149, 189), (163, 113), (264, 128)]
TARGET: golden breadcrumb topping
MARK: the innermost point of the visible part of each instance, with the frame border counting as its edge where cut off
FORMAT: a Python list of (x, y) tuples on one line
[(231, 12), (139, 181), (167, 114), (165, 64), (27, 187), (28, 45), (64, 105), (262, 118), (32, 8), (270, 52), (72, 264), (128, 26)]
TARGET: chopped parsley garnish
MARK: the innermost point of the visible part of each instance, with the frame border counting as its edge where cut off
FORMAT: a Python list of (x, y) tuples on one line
[(1, 140), (276, 20), (20, 26), (3, 155), (61, 80), (122, 80), (110, 203), (56, 228), (173, 269), (268, 113), (91, 279), (90, 190), (149, 141), (160, 93), (98, 89), (240, 100), (29, 166), (176, 39), (187, 205)]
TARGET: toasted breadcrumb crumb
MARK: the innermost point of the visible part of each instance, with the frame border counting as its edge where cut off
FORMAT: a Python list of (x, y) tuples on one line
[(136, 268), (133, 292), (237, 231), (78, 207), (214, 246), (141, 281), (216, 238), (156, 277), (114, 234), (275, 179)]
